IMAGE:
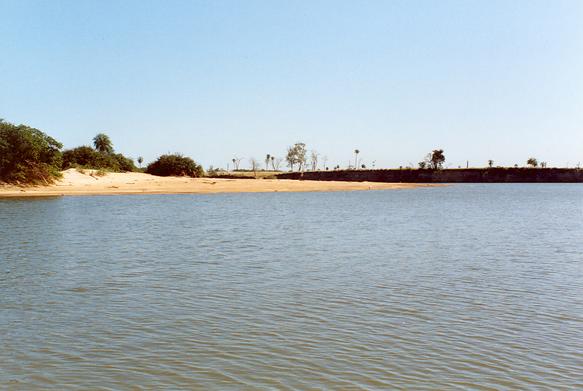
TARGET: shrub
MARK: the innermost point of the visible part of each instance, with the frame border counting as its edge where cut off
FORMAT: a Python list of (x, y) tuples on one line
[(175, 165), (124, 163), (28, 155), (87, 157)]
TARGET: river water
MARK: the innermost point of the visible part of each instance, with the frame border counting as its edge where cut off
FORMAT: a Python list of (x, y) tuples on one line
[(466, 286)]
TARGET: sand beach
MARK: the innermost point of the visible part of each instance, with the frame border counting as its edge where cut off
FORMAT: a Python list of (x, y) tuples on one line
[(87, 182)]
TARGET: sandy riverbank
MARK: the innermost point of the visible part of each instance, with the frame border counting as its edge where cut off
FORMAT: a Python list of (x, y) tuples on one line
[(87, 183)]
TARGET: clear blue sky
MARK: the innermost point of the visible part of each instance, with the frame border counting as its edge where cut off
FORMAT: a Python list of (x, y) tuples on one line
[(483, 80)]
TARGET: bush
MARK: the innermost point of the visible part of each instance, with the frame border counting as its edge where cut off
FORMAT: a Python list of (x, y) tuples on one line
[(175, 165), (124, 163), (27, 155), (87, 157)]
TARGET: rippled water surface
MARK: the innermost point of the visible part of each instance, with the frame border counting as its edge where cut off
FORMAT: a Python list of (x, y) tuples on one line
[(468, 286)]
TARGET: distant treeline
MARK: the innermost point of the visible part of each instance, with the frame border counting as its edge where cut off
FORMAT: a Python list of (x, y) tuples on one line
[(29, 156), (463, 175)]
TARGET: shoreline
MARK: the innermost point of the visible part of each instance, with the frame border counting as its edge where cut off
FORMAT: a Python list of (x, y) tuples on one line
[(87, 183)]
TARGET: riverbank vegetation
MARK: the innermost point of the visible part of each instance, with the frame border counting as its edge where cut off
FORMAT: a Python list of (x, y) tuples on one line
[(30, 157), (101, 157), (175, 165), (27, 155)]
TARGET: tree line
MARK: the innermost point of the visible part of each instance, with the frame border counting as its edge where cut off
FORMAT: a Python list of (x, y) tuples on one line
[(299, 158), (27, 155)]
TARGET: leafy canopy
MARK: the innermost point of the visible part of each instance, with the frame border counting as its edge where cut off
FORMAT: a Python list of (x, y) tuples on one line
[(103, 143), (100, 158), (175, 165), (28, 155)]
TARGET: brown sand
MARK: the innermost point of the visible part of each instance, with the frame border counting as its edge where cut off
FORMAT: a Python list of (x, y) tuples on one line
[(88, 183)]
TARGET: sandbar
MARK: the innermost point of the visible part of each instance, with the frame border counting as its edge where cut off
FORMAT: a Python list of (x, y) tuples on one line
[(87, 182)]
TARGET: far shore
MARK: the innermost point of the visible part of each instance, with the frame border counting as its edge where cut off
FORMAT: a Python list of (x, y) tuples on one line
[(87, 182)]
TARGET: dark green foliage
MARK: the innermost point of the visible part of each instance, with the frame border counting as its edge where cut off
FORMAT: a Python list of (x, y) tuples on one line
[(103, 143), (27, 155), (124, 163), (175, 165), (87, 157), (100, 158), (82, 157)]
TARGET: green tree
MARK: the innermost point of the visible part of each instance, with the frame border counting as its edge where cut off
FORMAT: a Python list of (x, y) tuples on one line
[(140, 161), (175, 165), (103, 143), (28, 155), (87, 157)]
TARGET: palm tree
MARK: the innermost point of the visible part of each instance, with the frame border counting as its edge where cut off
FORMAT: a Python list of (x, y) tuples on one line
[(103, 143), (267, 160), (490, 163), (356, 152), (140, 160), (273, 162)]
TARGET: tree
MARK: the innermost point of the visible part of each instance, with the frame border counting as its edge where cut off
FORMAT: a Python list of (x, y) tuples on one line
[(124, 164), (276, 163), (296, 154), (543, 164), (437, 159), (490, 163), (103, 143), (254, 165), (267, 161), (28, 155), (175, 165), (356, 152), (236, 161), (426, 162), (87, 157), (140, 161), (273, 162), (314, 160), (532, 162)]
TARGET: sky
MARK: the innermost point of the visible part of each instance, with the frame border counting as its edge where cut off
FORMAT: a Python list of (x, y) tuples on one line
[(500, 80)]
